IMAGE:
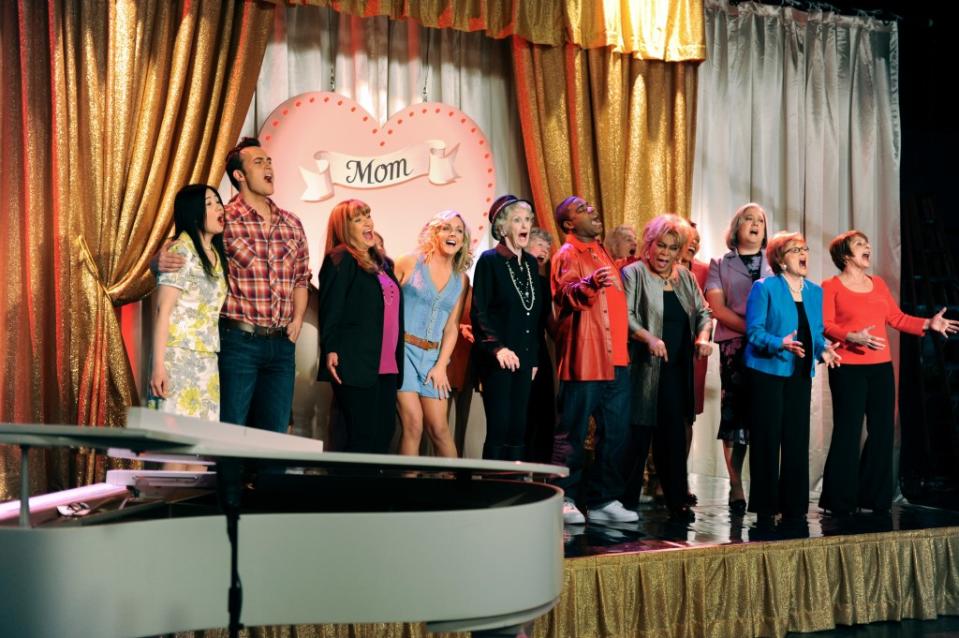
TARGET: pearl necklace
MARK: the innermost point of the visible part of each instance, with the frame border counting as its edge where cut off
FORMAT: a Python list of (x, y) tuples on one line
[(526, 297), (802, 284)]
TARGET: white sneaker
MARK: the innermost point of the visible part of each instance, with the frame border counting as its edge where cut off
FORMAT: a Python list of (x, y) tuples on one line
[(571, 514), (612, 512)]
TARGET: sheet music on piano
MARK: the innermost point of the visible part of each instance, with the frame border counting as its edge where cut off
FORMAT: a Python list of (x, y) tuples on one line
[(462, 544)]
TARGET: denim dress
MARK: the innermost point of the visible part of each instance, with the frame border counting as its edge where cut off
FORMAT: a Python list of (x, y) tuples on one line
[(425, 314)]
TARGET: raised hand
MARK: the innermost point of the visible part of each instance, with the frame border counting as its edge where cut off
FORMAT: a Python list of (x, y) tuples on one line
[(793, 346), (602, 277), (938, 323), (864, 338), (168, 261), (830, 357)]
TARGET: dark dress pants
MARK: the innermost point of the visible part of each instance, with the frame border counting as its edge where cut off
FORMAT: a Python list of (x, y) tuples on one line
[(779, 444), (851, 480), (505, 400), (369, 414), (609, 402)]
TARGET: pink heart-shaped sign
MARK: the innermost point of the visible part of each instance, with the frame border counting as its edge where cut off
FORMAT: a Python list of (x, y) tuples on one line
[(427, 158)]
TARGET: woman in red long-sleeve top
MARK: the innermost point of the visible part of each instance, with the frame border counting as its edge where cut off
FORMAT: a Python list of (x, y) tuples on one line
[(856, 309)]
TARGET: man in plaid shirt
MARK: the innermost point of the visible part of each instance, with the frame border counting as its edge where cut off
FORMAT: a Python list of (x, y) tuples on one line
[(267, 276)]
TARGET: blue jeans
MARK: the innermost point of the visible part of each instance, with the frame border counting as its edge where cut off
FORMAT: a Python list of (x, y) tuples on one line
[(256, 380), (609, 402)]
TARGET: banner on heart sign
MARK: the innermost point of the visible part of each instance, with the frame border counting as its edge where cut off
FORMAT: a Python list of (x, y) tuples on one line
[(429, 158)]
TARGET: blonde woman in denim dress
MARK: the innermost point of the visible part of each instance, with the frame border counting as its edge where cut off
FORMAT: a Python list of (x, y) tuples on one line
[(434, 287)]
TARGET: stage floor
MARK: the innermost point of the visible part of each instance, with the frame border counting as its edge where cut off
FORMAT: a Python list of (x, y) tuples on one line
[(714, 524)]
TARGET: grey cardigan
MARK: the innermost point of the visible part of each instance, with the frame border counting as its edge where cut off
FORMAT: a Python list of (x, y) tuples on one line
[(644, 303)]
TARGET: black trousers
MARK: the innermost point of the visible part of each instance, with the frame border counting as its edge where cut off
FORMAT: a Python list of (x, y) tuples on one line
[(668, 439), (505, 400), (541, 412), (369, 414), (779, 444), (851, 480)]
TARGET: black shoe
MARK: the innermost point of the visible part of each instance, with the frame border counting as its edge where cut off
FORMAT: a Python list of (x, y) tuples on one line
[(681, 513), (838, 513), (794, 517)]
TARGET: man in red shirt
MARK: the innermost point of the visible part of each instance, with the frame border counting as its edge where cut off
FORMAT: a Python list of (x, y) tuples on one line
[(593, 360)]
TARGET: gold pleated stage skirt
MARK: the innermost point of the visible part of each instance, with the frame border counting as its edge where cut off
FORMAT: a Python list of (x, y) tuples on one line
[(734, 590)]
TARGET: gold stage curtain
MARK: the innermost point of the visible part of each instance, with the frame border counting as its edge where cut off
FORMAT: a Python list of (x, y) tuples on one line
[(109, 107), (672, 30), (616, 130)]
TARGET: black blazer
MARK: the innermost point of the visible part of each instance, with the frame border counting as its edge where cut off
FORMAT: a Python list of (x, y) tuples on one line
[(351, 320), (498, 317)]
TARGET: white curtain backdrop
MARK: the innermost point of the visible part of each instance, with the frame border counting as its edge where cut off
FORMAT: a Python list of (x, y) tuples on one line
[(386, 66), (799, 111)]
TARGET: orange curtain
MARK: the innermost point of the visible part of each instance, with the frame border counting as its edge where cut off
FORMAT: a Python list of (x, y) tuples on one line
[(670, 30), (109, 107), (614, 129)]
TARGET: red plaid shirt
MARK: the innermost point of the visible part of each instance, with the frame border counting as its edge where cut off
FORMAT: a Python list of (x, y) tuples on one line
[(266, 264)]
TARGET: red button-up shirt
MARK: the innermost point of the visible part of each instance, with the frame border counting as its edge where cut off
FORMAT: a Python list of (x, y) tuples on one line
[(265, 264), (592, 328)]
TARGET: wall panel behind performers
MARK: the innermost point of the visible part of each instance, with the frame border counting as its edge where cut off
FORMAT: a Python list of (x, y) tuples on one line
[(384, 65), (799, 112)]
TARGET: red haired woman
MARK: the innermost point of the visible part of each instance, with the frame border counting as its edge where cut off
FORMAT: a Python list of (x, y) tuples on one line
[(361, 324)]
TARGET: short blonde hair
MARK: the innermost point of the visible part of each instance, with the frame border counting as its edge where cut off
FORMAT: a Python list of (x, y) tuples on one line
[(776, 248), (660, 226), (427, 244), (732, 233)]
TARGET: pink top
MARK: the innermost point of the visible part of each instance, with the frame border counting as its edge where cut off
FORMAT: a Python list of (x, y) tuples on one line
[(391, 324), (845, 311)]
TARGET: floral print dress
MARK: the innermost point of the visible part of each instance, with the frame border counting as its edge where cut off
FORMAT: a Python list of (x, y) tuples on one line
[(194, 337)]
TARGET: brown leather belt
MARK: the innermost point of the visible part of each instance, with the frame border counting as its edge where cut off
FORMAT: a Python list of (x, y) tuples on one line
[(258, 331), (420, 343)]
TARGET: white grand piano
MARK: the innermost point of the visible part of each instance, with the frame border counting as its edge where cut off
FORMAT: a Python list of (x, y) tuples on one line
[(323, 537)]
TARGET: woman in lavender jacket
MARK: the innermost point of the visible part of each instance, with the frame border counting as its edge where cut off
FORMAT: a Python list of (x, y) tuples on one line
[(727, 287)]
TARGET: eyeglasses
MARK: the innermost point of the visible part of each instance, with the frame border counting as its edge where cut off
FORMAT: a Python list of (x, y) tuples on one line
[(798, 250)]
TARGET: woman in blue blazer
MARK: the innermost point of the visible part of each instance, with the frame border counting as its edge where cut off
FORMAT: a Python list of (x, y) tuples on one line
[(784, 332)]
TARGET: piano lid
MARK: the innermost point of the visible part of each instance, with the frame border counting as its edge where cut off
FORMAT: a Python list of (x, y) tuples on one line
[(150, 431)]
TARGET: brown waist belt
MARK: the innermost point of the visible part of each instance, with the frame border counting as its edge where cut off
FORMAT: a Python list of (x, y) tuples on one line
[(259, 331), (420, 343)]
